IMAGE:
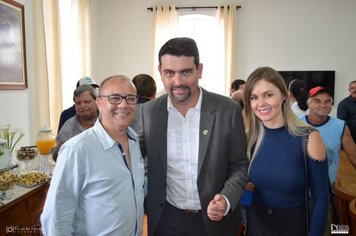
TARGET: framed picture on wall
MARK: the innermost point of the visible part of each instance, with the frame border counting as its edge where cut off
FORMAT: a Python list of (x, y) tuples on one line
[(13, 69)]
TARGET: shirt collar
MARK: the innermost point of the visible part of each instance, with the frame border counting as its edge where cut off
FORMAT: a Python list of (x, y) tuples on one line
[(106, 140)]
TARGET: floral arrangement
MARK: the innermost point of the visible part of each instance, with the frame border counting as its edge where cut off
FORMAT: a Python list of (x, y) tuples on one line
[(11, 137)]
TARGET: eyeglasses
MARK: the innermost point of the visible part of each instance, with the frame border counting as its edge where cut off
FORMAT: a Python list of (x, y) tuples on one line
[(117, 98)]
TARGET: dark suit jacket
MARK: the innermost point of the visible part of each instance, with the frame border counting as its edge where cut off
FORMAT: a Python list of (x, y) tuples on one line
[(222, 162)]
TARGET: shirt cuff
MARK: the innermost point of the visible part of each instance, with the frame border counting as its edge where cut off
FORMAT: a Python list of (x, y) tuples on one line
[(228, 206)]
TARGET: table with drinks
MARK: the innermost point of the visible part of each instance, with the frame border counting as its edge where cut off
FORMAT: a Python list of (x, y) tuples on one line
[(22, 200)]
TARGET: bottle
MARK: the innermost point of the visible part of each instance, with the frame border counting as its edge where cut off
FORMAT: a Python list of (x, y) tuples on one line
[(45, 140)]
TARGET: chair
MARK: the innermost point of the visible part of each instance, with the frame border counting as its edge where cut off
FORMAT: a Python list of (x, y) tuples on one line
[(352, 214), (345, 192)]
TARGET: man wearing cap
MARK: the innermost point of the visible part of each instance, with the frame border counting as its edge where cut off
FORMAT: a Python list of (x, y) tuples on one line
[(84, 98), (333, 131), (346, 109), (70, 112)]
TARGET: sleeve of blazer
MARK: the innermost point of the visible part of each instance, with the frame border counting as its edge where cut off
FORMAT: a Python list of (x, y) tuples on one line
[(222, 150), (238, 162)]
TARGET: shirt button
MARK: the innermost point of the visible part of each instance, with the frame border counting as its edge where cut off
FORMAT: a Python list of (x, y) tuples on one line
[(269, 212)]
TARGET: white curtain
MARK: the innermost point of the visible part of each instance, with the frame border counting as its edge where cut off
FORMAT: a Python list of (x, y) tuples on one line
[(48, 64), (75, 45), (166, 27), (227, 18), (62, 54), (165, 20)]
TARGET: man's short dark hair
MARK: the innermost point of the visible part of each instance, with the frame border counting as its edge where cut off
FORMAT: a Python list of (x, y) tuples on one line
[(145, 85), (180, 47), (235, 85)]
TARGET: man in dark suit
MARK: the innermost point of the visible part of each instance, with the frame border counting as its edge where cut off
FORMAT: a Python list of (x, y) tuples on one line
[(195, 144)]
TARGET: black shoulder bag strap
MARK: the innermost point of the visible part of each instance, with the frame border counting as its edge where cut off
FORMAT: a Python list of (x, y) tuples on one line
[(332, 202), (304, 148), (331, 194)]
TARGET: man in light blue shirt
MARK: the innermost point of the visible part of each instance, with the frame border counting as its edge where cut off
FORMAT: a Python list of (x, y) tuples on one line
[(333, 131), (97, 185)]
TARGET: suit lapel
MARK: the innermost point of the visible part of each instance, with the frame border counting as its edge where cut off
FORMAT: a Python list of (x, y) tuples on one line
[(207, 119)]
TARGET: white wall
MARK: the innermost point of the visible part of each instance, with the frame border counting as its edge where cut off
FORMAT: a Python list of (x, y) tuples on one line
[(121, 38), (299, 35), (283, 34), (17, 106)]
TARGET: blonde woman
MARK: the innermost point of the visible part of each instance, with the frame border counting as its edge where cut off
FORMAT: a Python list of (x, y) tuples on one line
[(277, 169)]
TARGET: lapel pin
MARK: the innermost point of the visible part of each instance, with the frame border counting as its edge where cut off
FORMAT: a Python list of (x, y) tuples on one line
[(205, 132)]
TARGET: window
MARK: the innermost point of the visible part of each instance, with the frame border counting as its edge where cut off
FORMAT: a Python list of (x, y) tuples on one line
[(204, 29)]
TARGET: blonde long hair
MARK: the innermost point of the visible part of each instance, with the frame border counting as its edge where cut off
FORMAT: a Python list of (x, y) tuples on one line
[(255, 130)]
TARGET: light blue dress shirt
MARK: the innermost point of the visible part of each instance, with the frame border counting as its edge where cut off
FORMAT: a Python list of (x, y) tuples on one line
[(92, 191)]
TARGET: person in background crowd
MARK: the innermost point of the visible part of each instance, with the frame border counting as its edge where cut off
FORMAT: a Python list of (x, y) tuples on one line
[(146, 91), (84, 98), (237, 84), (97, 185), (333, 131), (195, 146), (237, 96), (298, 96), (346, 109), (236, 91), (278, 162), (70, 112)]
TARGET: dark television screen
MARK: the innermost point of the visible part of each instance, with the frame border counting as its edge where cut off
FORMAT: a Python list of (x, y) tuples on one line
[(325, 78)]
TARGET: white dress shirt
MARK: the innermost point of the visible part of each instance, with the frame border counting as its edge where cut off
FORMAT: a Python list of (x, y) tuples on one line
[(182, 156)]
